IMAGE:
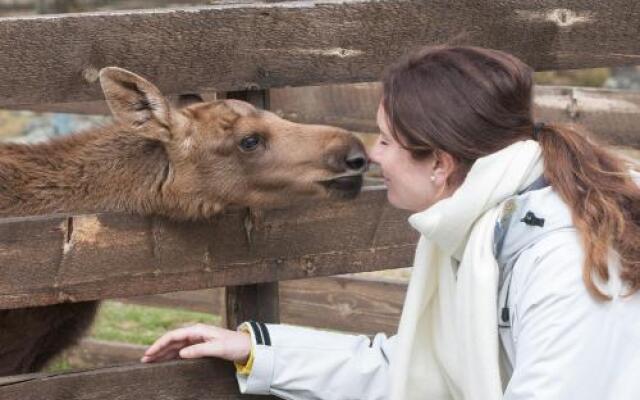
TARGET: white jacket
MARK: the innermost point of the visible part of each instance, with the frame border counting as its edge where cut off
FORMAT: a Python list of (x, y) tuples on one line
[(558, 342)]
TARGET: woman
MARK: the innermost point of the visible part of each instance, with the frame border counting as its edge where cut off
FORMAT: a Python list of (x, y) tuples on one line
[(526, 278)]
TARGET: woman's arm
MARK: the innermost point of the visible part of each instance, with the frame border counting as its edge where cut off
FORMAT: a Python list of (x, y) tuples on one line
[(287, 361), (302, 363)]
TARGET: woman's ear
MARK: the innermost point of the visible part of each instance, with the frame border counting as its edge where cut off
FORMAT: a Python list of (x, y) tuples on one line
[(443, 168)]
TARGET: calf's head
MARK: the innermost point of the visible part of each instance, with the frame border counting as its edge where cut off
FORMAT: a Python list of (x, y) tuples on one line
[(229, 152)]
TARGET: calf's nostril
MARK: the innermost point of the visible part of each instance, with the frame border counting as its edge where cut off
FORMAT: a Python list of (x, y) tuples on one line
[(356, 161)]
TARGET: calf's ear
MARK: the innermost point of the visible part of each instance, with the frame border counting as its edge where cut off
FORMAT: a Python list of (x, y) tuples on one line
[(137, 102)]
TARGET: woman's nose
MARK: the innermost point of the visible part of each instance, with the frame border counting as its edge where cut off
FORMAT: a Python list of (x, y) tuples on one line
[(372, 153)]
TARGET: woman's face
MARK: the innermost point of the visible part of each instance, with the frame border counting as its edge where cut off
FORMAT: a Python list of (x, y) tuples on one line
[(411, 185)]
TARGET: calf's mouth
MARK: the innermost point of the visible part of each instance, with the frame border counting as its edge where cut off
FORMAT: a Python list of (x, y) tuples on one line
[(344, 186)]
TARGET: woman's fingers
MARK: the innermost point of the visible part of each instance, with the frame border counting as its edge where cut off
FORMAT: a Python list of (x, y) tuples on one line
[(199, 341), (168, 352), (212, 348), (166, 356), (191, 334)]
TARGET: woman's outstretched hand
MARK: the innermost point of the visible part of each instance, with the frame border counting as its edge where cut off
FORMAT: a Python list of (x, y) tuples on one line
[(200, 341)]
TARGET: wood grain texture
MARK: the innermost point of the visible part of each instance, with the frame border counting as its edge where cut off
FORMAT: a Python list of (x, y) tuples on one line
[(257, 301), (346, 303), (60, 259), (206, 379), (612, 115), (355, 304), (361, 305), (51, 59), (205, 300)]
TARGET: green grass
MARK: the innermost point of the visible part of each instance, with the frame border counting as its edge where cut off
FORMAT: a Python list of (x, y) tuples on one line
[(133, 324), (141, 324), (60, 364)]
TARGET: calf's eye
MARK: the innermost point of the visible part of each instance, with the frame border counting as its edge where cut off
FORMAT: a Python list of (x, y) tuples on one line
[(251, 142)]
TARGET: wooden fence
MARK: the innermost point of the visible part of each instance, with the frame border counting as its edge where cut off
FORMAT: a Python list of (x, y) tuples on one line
[(364, 305), (244, 49)]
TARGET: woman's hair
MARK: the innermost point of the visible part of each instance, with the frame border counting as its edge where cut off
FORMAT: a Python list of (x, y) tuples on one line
[(471, 102)]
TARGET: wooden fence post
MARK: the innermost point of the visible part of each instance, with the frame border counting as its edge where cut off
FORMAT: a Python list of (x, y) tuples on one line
[(260, 301)]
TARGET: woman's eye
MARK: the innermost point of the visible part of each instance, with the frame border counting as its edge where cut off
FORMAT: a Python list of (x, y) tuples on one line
[(251, 142)]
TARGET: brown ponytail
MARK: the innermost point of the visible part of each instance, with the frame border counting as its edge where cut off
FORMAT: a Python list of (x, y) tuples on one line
[(604, 201), (471, 102)]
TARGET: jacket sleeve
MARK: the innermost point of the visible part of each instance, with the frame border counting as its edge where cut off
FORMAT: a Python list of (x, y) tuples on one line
[(292, 362)]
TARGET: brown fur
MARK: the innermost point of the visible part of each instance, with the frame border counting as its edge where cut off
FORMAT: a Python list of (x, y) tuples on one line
[(182, 163)]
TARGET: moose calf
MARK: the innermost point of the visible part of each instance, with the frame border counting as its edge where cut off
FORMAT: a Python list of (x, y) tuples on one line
[(185, 164)]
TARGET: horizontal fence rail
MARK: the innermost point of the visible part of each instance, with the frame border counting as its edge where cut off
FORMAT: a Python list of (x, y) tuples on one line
[(364, 305), (66, 6), (347, 303), (47, 260), (209, 379), (612, 115), (55, 59), (358, 305)]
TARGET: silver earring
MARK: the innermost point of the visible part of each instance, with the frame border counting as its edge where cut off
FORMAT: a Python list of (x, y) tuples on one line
[(433, 178)]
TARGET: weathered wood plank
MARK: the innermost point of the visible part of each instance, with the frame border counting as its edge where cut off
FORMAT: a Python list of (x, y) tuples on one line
[(55, 59), (352, 304), (205, 300), (362, 305), (94, 107), (258, 301), (198, 379), (347, 303), (612, 115), (57, 259), (26, 7)]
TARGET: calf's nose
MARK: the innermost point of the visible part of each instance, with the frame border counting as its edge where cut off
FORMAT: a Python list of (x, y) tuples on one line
[(356, 160), (349, 156)]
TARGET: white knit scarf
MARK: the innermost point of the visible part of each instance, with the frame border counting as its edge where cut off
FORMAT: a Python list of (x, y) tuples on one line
[(448, 335)]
